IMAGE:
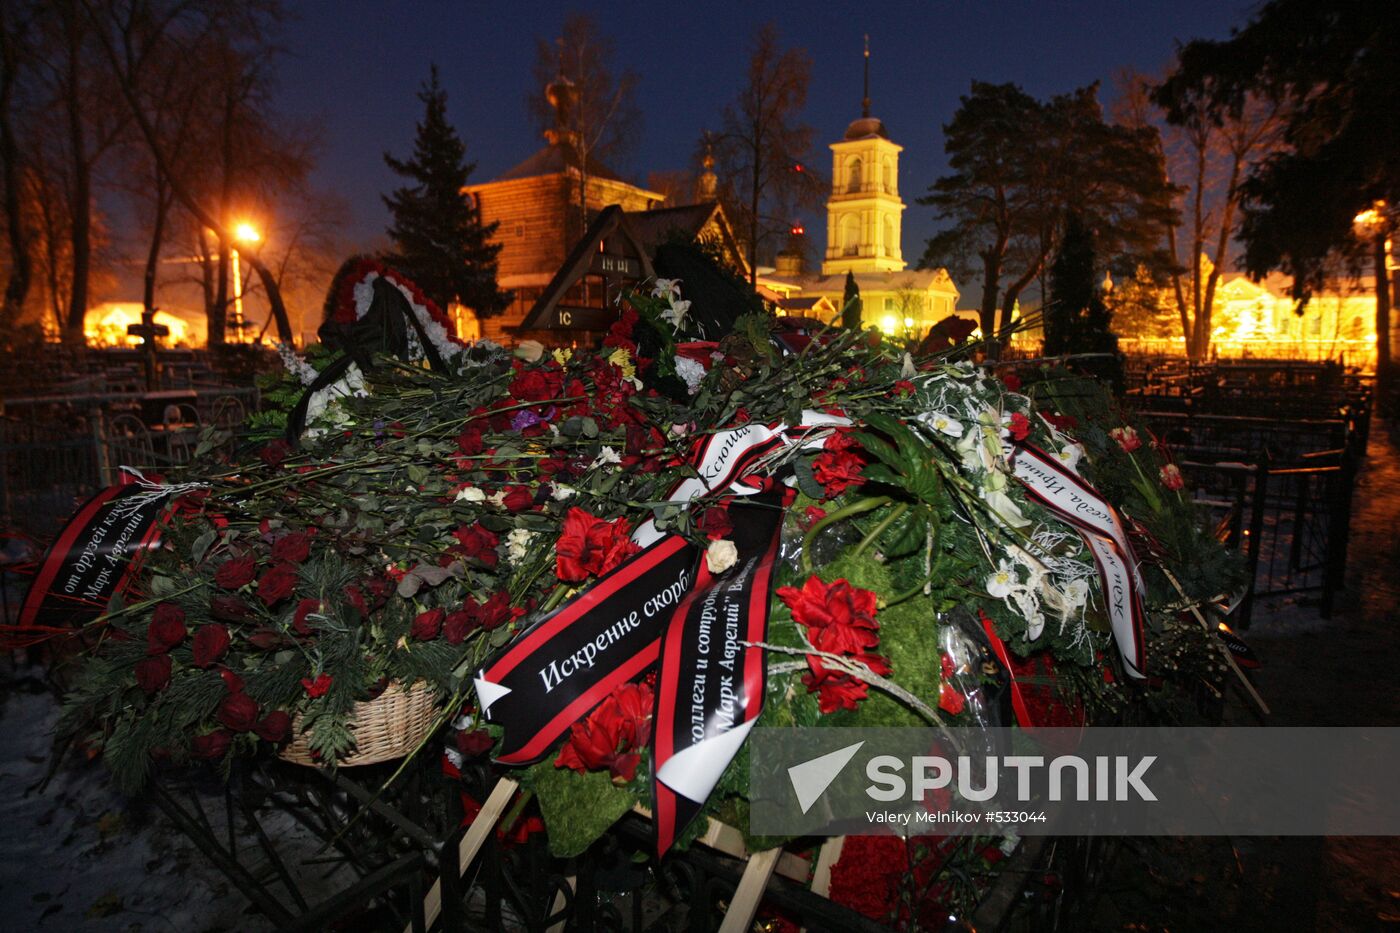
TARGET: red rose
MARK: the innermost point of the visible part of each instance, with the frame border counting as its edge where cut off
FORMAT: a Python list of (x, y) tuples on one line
[(591, 545), (426, 625), (317, 687), (275, 727), (1171, 477), (236, 572), (474, 743), (153, 674), (1060, 422), (266, 638), (478, 543), (232, 682), (292, 548), (211, 746), (228, 608), (210, 643), (715, 523), (238, 711), (1011, 381), (277, 584), (470, 442), (167, 628), (300, 624), (493, 613), (518, 498), (458, 625), (274, 452), (356, 597), (1020, 426)]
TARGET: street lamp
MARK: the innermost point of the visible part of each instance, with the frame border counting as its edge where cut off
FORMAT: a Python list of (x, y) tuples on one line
[(243, 233)]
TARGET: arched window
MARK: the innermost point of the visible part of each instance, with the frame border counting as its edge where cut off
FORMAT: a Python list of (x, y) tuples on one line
[(889, 242), (853, 176), (850, 234), (889, 176)]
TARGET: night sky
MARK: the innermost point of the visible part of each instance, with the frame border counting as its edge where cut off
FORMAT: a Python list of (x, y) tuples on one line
[(354, 67)]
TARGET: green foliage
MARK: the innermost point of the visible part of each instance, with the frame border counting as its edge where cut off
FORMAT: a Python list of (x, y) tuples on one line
[(439, 239), (577, 808)]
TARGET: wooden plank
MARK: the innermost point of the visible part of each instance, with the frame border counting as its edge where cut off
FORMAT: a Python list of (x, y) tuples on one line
[(475, 838), (826, 859), (739, 917)]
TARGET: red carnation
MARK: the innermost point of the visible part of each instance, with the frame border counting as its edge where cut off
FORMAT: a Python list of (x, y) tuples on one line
[(236, 572), (904, 388), (1020, 426), (238, 711), (277, 584), (211, 746), (292, 548), (153, 674), (275, 727), (167, 628), (838, 468), (274, 452), (591, 545), (1011, 381), (535, 386), (611, 735), (210, 643), (470, 442), (426, 625), (317, 687)]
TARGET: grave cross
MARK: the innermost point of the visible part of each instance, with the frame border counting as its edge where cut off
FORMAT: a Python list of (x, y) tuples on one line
[(148, 330)]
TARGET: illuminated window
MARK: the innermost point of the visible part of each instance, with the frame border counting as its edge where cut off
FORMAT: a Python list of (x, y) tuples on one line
[(854, 176)]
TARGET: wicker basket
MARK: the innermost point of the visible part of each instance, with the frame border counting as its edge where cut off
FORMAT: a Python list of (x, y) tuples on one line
[(387, 727)]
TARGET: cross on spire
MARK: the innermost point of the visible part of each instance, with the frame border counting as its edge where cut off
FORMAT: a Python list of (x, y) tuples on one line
[(865, 101)]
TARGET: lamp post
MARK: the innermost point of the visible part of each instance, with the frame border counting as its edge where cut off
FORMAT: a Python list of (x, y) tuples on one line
[(1374, 224), (243, 233)]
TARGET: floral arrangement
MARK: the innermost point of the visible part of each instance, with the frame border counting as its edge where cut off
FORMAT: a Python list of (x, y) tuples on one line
[(425, 517)]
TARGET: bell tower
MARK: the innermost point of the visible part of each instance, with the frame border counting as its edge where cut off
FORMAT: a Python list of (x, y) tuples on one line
[(864, 212)]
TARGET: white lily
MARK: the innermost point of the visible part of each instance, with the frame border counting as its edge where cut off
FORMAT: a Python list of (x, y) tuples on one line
[(1002, 580)]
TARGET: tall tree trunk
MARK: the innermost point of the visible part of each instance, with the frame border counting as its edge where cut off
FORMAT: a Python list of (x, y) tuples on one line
[(1013, 291), (80, 206), (991, 279), (21, 264), (148, 291), (755, 189), (1383, 374)]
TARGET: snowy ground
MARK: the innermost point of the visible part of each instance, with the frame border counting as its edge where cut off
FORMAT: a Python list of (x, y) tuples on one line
[(80, 857)]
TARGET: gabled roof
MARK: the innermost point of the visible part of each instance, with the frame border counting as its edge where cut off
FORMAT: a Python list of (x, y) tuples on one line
[(555, 160), (655, 226)]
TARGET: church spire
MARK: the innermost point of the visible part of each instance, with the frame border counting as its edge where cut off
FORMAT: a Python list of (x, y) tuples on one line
[(865, 101)]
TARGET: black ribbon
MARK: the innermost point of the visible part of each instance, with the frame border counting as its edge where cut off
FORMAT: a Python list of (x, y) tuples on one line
[(382, 330)]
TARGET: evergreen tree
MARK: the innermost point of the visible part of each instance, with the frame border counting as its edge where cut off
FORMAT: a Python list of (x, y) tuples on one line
[(851, 310), (1076, 317), (439, 240)]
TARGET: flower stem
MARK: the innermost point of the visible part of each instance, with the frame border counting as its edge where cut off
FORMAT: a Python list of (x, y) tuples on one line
[(845, 512), (879, 529)]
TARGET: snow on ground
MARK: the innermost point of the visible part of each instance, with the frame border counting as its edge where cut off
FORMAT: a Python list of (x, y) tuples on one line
[(81, 857)]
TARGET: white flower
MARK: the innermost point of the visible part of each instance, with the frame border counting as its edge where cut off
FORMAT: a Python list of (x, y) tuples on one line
[(560, 492), (529, 350), (295, 364), (670, 289), (690, 371), (1069, 455), (1076, 594), (1030, 611), (498, 498), (518, 543), (675, 314), (721, 555), (605, 456), (943, 423), (470, 494), (1002, 580)]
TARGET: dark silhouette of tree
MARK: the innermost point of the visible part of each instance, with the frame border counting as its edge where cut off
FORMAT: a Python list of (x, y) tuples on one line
[(1335, 66), (1018, 165), (439, 240), (579, 104), (763, 147), (1076, 317)]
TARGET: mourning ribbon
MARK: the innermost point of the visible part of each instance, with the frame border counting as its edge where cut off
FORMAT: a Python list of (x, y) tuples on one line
[(381, 330)]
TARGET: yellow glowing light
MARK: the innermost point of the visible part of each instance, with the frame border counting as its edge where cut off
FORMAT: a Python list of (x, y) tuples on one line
[(1367, 218), (246, 233), (889, 324), (908, 322), (106, 326)]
